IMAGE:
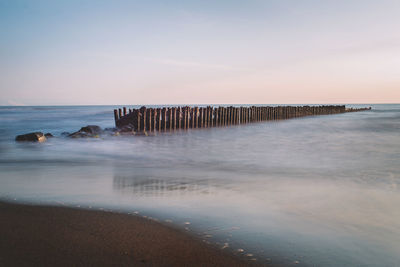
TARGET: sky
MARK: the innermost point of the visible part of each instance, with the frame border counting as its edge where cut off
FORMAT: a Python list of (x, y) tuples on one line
[(199, 52)]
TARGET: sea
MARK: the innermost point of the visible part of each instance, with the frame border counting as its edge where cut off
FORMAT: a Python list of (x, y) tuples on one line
[(311, 191)]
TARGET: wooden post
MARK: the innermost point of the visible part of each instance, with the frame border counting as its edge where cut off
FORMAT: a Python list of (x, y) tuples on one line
[(184, 118), (154, 120), (212, 116), (216, 112), (179, 115), (143, 111), (225, 115), (115, 117), (191, 117), (120, 113), (124, 110), (206, 116), (170, 120), (164, 119), (150, 118), (174, 118)]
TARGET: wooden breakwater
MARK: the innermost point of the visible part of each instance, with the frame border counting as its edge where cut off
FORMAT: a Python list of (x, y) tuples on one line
[(174, 118)]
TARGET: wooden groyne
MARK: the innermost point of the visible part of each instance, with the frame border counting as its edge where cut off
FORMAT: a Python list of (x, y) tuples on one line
[(174, 118)]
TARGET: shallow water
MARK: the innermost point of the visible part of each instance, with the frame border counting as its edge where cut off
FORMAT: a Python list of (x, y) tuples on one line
[(313, 191)]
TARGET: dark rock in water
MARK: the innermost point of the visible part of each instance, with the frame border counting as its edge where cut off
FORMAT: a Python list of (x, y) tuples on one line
[(91, 129), (87, 131), (49, 135), (32, 137), (65, 133)]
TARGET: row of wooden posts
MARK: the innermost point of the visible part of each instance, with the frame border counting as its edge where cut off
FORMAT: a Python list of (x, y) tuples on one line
[(173, 118)]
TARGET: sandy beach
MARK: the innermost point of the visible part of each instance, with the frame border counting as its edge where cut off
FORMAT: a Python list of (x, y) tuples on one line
[(58, 236)]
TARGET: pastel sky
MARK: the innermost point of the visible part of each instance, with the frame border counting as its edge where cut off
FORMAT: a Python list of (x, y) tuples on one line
[(199, 52)]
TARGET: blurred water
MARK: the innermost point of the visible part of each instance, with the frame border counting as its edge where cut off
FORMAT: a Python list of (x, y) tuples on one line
[(313, 191)]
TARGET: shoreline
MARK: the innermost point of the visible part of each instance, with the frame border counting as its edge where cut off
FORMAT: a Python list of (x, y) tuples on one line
[(62, 236)]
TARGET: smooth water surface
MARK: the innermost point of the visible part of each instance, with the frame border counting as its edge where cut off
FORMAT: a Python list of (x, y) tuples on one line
[(313, 191)]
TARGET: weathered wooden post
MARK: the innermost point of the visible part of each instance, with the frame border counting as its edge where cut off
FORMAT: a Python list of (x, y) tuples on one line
[(174, 118), (150, 118), (164, 119), (216, 116), (154, 121), (124, 110), (119, 113), (170, 120), (206, 116), (115, 117), (212, 114), (179, 117), (184, 118), (225, 116), (143, 111)]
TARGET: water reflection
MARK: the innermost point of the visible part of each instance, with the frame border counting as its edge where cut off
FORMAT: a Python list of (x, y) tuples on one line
[(147, 186)]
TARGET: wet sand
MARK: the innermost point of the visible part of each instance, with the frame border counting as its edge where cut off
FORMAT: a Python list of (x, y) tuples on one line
[(58, 236)]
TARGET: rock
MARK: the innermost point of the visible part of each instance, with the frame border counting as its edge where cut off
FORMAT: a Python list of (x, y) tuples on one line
[(31, 137), (91, 129), (49, 135), (87, 131), (65, 133)]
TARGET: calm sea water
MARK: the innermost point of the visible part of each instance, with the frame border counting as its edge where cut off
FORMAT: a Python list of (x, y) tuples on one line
[(313, 191)]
